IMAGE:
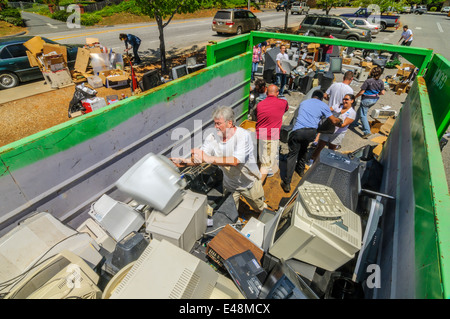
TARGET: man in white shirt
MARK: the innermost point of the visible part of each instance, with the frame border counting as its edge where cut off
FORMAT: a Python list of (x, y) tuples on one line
[(281, 73), (231, 148), (407, 36), (338, 90)]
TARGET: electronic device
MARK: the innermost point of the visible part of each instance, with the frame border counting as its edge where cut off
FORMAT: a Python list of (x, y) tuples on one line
[(271, 58), (225, 288), (247, 273), (335, 65), (155, 181), (62, 276), (185, 224), (338, 171), (128, 249), (284, 283), (260, 70), (259, 232), (179, 71), (317, 229), (151, 79), (100, 236), (165, 271), (288, 65), (38, 238), (377, 113), (117, 218), (371, 239), (229, 242)]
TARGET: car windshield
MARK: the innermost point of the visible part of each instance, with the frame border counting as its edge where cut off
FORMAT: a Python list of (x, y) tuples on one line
[(223, 15), (349, 23)]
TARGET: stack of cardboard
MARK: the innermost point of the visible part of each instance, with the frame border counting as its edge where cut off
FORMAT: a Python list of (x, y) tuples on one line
[(51, 60), (95, 62), (401, 83)]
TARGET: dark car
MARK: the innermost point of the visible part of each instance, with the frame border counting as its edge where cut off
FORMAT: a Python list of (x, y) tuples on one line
[(281, 6), (339, 27), (14, 65)]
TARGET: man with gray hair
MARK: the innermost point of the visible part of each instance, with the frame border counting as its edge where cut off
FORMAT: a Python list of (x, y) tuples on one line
[(231, 148)]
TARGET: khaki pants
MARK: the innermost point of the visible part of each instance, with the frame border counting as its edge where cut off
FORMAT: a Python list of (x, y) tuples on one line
[(254, 196)]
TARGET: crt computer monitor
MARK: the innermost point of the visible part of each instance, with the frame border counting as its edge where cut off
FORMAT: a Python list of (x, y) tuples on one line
[(179, 71), (165, 271), (316, 228)]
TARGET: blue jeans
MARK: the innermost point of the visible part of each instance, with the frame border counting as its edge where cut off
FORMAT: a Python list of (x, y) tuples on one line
[(361, 114), (254, 69), (281, 81)]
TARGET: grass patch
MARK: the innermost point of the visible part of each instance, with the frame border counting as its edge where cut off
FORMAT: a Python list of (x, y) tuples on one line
[(9, 29)]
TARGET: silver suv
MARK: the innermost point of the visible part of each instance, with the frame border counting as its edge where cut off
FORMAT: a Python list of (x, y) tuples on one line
[(339, 27), (235, 21), (299, 8)]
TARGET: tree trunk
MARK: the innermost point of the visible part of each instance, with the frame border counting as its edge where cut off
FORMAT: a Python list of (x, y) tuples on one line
[(162, 45), (286, 15)]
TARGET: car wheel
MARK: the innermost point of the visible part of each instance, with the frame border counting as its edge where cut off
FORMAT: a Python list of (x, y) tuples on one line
[(258, 27), (382, 26), (239, 30), (352, 38), (8, 80)]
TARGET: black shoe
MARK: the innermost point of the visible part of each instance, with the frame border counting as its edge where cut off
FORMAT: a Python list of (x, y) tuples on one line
[(285, 187), (300, 172)]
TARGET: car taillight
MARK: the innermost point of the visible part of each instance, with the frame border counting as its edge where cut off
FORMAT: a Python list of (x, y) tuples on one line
[(299, 27), (214, 22), (396, 20), (229, 23), (376, 28)]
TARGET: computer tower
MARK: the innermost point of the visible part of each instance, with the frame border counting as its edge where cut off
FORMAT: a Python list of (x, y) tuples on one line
[(271, 58), (339, 172)]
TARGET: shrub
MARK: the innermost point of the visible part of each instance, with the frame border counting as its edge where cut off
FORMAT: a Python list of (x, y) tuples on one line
[(60, 15), (433, 9), (89, 19), (12, 15)]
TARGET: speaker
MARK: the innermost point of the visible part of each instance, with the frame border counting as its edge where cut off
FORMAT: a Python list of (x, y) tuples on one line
[(305, 83), (325, 80), (338, 171)]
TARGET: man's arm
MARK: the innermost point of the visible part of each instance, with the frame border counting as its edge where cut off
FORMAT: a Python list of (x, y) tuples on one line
[(335, 120), (199, 157), (279, 65)]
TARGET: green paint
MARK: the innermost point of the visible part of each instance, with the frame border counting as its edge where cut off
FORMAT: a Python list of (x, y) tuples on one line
[(438, 83)]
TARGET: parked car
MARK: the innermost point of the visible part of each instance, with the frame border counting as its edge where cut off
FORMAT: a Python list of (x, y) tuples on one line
[(235, 21), (365, 24), (420, 9), (281, 6), (339, 27), (445, 10), (386, 20), (299, 8), (14, 65)]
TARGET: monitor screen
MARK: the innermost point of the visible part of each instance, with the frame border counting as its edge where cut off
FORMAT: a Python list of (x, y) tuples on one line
[(179, 71)]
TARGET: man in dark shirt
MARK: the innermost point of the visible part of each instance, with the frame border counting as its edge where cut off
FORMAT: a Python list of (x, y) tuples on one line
[(135, 42)]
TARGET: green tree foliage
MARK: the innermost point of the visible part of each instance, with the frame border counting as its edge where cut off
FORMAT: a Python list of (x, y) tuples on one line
[(163, 11)]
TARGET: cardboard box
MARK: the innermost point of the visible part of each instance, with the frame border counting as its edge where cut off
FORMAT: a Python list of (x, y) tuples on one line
[(48, 48), (312, 47), (347, 61), (114, 78), (95, 81), (35, 45), (83, 56), (366, 64), (385, 129), (58, 79)]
